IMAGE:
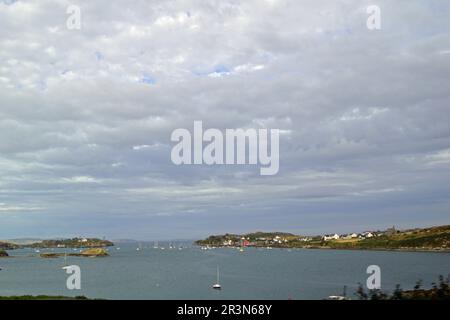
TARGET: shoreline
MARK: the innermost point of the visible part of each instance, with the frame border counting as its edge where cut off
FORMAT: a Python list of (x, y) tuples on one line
[(341, 249)]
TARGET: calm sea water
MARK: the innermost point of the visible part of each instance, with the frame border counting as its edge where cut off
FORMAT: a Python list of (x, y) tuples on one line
[(189, 273)]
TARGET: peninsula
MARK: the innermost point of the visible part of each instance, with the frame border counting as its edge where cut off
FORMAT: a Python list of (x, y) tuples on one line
[(419, 239)]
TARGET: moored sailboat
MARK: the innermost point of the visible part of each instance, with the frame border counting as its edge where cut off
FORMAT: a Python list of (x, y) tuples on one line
[(217, 286)]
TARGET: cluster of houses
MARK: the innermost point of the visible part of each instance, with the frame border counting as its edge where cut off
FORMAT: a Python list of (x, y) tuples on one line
[(364, 235), (79, 240), (246, 241), (278, 240), (275, 240)]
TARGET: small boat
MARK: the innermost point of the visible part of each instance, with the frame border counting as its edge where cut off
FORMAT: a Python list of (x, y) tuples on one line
[(340, 298), (336, 298), (217, 286)]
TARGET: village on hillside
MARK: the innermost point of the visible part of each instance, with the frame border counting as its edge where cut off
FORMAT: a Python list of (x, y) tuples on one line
[(435, 238)]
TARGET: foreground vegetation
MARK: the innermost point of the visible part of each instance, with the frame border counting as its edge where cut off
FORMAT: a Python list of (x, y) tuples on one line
[(42, 297), (439, 291)]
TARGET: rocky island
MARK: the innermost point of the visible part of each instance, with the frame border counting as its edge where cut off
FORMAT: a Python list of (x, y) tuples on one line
[(93, 247), (90, 253), (72, 243)]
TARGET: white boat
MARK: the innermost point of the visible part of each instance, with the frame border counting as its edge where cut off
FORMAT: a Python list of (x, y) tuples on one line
[(217, 286), (336, 298)]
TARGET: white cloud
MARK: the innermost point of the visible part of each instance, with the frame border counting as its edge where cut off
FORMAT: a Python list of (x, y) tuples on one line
[(11, 208), (81, 179)]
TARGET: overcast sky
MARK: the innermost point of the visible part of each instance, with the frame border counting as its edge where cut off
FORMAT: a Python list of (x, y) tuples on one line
[(86, 116)]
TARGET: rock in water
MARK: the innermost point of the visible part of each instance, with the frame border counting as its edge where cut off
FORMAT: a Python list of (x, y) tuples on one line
[(96, 252)]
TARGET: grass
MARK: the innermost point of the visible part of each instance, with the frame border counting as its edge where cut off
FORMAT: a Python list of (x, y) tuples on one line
[(42, 297)]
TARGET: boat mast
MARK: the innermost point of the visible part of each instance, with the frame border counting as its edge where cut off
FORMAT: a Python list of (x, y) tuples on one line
[(218, 275)]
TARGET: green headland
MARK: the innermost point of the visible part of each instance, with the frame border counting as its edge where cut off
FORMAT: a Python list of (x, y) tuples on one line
[(419, 239)]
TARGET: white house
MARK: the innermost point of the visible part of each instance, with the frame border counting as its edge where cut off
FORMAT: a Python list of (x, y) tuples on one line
[(368, 234), (331, 237), (227, 242)]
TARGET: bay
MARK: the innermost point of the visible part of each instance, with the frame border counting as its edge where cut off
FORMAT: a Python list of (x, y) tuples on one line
[(189, 273)]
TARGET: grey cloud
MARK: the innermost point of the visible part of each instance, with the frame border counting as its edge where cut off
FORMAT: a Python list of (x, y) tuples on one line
[(364, 115)]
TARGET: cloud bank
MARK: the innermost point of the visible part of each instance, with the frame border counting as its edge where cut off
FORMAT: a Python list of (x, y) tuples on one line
[(86, 116)]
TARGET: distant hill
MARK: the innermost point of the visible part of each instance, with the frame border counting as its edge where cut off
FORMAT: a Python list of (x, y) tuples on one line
[(125, 241), (22, 241)]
